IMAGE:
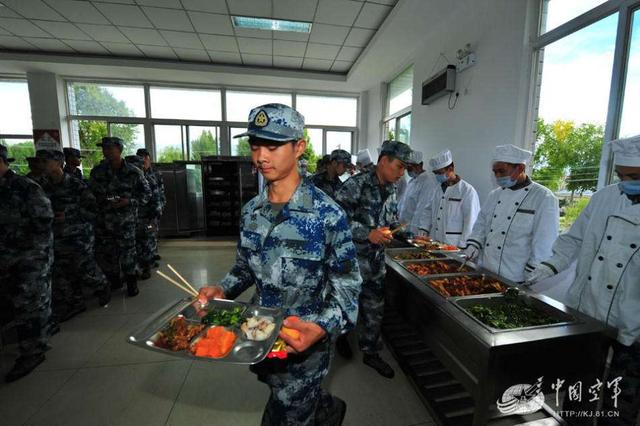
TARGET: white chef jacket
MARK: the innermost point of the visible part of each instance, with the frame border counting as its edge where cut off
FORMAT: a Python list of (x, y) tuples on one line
[(606, 241), (416, 210), (516, 229), (453, 213), (407, 205)]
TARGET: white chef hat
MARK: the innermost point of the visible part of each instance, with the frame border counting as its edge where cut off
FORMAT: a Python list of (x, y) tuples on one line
[(364, 157), (627, 151), (442, 160), (416, 156), (511, 154)]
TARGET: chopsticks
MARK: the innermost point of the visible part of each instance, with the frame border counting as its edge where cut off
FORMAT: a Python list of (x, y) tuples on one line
[(188, 288)]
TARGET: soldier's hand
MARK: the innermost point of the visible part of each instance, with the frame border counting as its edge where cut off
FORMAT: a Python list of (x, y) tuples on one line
[(122, 202), (58, 216), (380, 236), (209, 293), (308, 334)]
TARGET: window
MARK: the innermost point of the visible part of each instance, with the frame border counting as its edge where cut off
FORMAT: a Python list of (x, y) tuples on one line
[(399, 129), (15, 122), (557, 12), (185, 104), (203, 141), (314, 138), (86, 134), (239, 146), (328, 111), (106, 100), (630, 126), (400, 94), (131, 134), (239, 104), (338, 140), (169, 143)]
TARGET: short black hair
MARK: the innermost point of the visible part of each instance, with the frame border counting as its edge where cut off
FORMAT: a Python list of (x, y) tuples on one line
[(255, 140)]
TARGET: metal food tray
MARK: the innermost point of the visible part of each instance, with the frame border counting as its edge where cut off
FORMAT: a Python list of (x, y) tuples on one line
[(397, 251), (479, 273), (562, 318), (244, 351), (439, 243), (468, 268)]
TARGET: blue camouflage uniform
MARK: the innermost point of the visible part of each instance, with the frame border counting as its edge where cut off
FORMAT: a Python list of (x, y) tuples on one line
[(301, 258), (370, 205), (74, 258), (73, 171), (154, 177), (26, 254), (322, 179), (116, 228)]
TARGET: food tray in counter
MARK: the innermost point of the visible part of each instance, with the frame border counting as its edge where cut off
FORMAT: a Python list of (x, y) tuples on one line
[(222, 331), (400, 254), (431, 245), (425, 268), (462, 285), (504, 312)]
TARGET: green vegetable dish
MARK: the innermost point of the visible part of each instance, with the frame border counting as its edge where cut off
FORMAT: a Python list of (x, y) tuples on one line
[(510, 315), (224, 317)]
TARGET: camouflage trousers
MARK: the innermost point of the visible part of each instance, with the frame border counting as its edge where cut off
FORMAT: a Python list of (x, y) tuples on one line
[(371, 302), (146, 242), (74, 266), (26, 283), (116, 250), (296, 396), (625, 364)]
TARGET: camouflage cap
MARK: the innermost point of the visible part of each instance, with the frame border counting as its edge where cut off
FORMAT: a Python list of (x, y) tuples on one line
[(143, 152), (341, 156), (398, 150), (72, 152), (49, 154), (111, 140), (136, 160), (275, 122), (4, 154)]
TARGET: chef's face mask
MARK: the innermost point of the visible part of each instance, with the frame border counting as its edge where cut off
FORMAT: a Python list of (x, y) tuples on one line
[(506, 174), (630, 187)]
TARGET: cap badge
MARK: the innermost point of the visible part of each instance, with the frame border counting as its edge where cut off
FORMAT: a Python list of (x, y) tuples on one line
[(261, 119)]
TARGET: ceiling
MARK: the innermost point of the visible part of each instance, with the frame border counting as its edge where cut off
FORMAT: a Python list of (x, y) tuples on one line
[(195, 31)]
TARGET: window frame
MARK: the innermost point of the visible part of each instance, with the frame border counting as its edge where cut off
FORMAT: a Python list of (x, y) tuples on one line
[(17, 136), (625, 10), (224, 125), (396, 116)]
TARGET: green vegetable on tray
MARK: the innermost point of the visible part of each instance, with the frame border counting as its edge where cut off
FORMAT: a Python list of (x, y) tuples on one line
[(510, 315), (224, 317)]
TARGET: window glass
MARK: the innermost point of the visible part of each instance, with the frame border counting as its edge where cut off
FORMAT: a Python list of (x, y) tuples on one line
[(240, 146), (557, 12), (239, 104), (574, 93), (86, 134), (401, 91), (185, 104), (630, 123), (106, 100), (328, 110), (338, 140), (131, 134), (203, 141), (19, 149), (314, 138), (169, 142), (404, 129), (15, 108)]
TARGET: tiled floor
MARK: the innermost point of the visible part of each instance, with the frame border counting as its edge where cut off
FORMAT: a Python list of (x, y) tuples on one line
[(92, 376)]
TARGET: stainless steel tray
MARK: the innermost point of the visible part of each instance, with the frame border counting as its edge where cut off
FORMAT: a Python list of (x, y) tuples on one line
[(455, 266), (244, 350), (439, 243), (391, 253), (427, 278), (560, 317)]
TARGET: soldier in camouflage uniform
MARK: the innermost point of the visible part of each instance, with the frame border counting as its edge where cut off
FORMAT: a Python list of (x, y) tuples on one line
[(153, 173), (148, 214), (119, 189), (329, 180), (26, 243), (369, 199), (296, 248), (36, 168), (72, 162), (74, 208)]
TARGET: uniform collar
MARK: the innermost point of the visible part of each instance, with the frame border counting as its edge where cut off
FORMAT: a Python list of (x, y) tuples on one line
[(7, 177), (524, 184), (300, 201)]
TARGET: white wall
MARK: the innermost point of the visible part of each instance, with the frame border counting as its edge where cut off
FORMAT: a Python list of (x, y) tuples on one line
[(494, 94)]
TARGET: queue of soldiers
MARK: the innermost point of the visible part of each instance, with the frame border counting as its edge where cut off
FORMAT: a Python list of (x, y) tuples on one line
[(61, 234)]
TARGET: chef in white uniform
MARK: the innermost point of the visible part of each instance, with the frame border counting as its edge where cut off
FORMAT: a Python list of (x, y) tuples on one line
[(455, 206), (407, 204), (364, 161), (606, 241), (518, 222)]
